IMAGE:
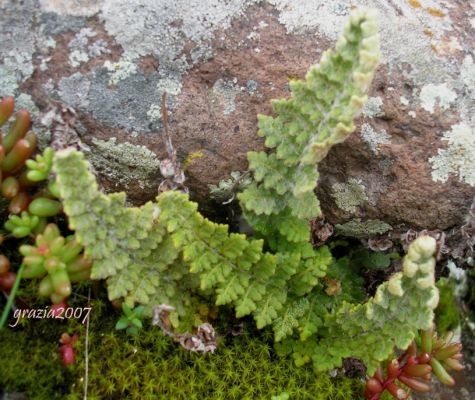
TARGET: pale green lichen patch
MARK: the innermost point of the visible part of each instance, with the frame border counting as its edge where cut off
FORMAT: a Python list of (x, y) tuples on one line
[(78, 45), (120, 70), (459, 156), (25, 101), (74, 90), (372, 107), (373, 138), (362, 229), (154, 113), (349, 195), (82, 50), (172, 87), (431, 95), (169, 85), (467, 72), (124, 162), (223, 95), (81, 8)]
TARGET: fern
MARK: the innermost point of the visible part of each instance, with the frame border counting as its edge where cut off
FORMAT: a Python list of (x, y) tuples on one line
[(319, 114), (166, 252), (127, 245), (369, 331), (162, 252)]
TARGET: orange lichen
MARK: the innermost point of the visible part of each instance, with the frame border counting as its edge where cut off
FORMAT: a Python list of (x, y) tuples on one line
[(414, 3), (435, 12), (428, 32), (434, 48)]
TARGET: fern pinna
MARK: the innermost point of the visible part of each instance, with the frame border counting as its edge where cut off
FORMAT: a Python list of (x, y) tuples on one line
[(166, 252)]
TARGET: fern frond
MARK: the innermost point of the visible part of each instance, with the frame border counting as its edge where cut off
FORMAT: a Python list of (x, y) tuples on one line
[(318, 115)]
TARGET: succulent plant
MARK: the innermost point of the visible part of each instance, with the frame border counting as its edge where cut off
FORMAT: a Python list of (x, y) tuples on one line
[(414, 368), (23, 225), (68, 356), (57, 260), (7, 277), (40, 167), (17, 146)]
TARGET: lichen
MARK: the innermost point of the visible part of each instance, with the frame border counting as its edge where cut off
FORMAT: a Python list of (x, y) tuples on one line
[(299, 16), (373, 138), (120, 70), (223, 95), (78, 45), (349, 195), (402, 31), (82, 8), (126, 104), (77, 57), (18, 37), (26, 101), (164, 35), (74, 90), (362, 229), (372, 107), (154, 113), (467, 72), (431, 94), (124, 162), (82, 50), (170, 86), (459, 156), (251, 86)]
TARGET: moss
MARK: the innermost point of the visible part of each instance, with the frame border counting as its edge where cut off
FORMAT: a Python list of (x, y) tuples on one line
[(447, 315), (362, 229), (190, 158), (349, 195), (30, 360), (151, 366)]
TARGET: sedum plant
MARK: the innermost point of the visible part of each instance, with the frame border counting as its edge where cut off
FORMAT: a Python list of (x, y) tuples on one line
[(57, 260), (28, 211), (413, 370)]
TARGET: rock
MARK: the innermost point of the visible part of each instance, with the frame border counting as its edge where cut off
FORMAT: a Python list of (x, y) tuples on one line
[(410, 163)]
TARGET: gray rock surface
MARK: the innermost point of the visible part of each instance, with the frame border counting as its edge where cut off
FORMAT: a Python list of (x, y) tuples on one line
[(411, 162)]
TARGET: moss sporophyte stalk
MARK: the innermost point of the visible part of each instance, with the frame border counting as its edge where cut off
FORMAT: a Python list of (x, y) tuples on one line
[(166, 254)]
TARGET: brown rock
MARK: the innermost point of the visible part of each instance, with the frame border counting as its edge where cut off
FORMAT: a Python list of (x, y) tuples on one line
[(112, 61)]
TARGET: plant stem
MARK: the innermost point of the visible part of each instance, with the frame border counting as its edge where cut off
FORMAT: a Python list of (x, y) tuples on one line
[(11, 296)]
